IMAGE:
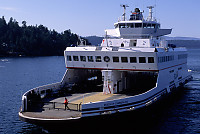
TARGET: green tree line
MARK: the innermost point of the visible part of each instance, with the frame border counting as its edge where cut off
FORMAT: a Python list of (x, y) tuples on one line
[(36, 40)]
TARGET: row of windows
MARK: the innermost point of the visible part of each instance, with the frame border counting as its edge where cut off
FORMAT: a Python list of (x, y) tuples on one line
[(170, 58), (107, 59), (165, 59), (137, 25)]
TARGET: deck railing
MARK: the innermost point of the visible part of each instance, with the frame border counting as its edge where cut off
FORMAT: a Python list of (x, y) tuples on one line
[(41, 105)]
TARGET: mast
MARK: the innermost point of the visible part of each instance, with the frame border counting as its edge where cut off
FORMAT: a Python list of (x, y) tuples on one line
[(124, 14), (150, 17)]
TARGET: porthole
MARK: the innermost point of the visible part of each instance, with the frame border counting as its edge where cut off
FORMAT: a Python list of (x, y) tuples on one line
[(106, 59)]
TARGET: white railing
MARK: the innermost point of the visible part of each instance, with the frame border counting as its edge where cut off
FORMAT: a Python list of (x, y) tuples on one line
[(41, 90)]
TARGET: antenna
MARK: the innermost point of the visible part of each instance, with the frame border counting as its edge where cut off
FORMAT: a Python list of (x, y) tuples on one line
[(155, 9), (124, 14), (150, 17)]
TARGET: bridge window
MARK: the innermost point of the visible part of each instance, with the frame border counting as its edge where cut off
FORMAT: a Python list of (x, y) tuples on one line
[(150, 59), (98, 58), (138, 25), (83, 58), (153, 26), (142, 60), (130, 25), (144, 25), (133, 60), (124, 59), (116, 26), (115, 59), (121, 25), (69, 58), (75, 58), (90, 59), (149, 25)]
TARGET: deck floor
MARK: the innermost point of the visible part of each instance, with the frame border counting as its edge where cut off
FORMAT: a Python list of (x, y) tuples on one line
[(76, 98), (96, 96), (82, 98)]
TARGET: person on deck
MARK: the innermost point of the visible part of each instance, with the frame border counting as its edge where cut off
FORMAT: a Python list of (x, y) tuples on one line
[(66, 103)]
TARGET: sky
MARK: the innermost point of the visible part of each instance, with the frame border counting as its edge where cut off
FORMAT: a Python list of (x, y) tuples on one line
[(92, 17)]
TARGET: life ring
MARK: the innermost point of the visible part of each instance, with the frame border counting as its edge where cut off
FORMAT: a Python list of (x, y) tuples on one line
[(106, 59)]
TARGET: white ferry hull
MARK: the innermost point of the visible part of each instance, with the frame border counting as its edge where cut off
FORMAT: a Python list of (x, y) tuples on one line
[(146, 108), (132, 69)]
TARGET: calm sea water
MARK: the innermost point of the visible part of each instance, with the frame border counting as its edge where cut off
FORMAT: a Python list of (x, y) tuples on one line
[(17, 75)]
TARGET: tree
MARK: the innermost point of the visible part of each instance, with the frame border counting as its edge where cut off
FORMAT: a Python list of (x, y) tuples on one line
[(23, 23), (32, 40)]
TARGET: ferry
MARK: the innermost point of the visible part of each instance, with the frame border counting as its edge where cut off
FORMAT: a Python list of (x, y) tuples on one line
[(133, 68)]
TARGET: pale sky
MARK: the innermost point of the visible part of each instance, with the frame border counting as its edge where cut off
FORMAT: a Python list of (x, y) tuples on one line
[(92, 17)]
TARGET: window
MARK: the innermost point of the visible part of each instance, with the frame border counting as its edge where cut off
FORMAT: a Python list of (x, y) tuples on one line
[(130, 25), (133, 60), (115, 59), (138, 25), (142, 60), (144, 25), (149, 25), (121, 25), (98, 58), (165, 59), (116, 26), (90, 59), (153, 25), (150, 59), (124, 59), (75, 58), (159, 60), (83, 58), (69, 58)]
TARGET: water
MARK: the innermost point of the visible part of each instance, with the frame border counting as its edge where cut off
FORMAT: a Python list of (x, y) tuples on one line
[(17, 75)]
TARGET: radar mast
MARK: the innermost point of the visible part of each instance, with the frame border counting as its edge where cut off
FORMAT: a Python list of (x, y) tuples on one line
[(124, 14), (150, 17)]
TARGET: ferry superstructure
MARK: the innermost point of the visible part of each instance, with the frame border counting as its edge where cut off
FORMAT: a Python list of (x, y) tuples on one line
[(132, 68)]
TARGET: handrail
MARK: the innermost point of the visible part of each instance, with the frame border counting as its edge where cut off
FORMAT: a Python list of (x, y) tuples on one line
[(35, 105)]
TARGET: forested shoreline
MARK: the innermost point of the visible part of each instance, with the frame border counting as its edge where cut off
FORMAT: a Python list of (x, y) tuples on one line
[(16, 40)]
